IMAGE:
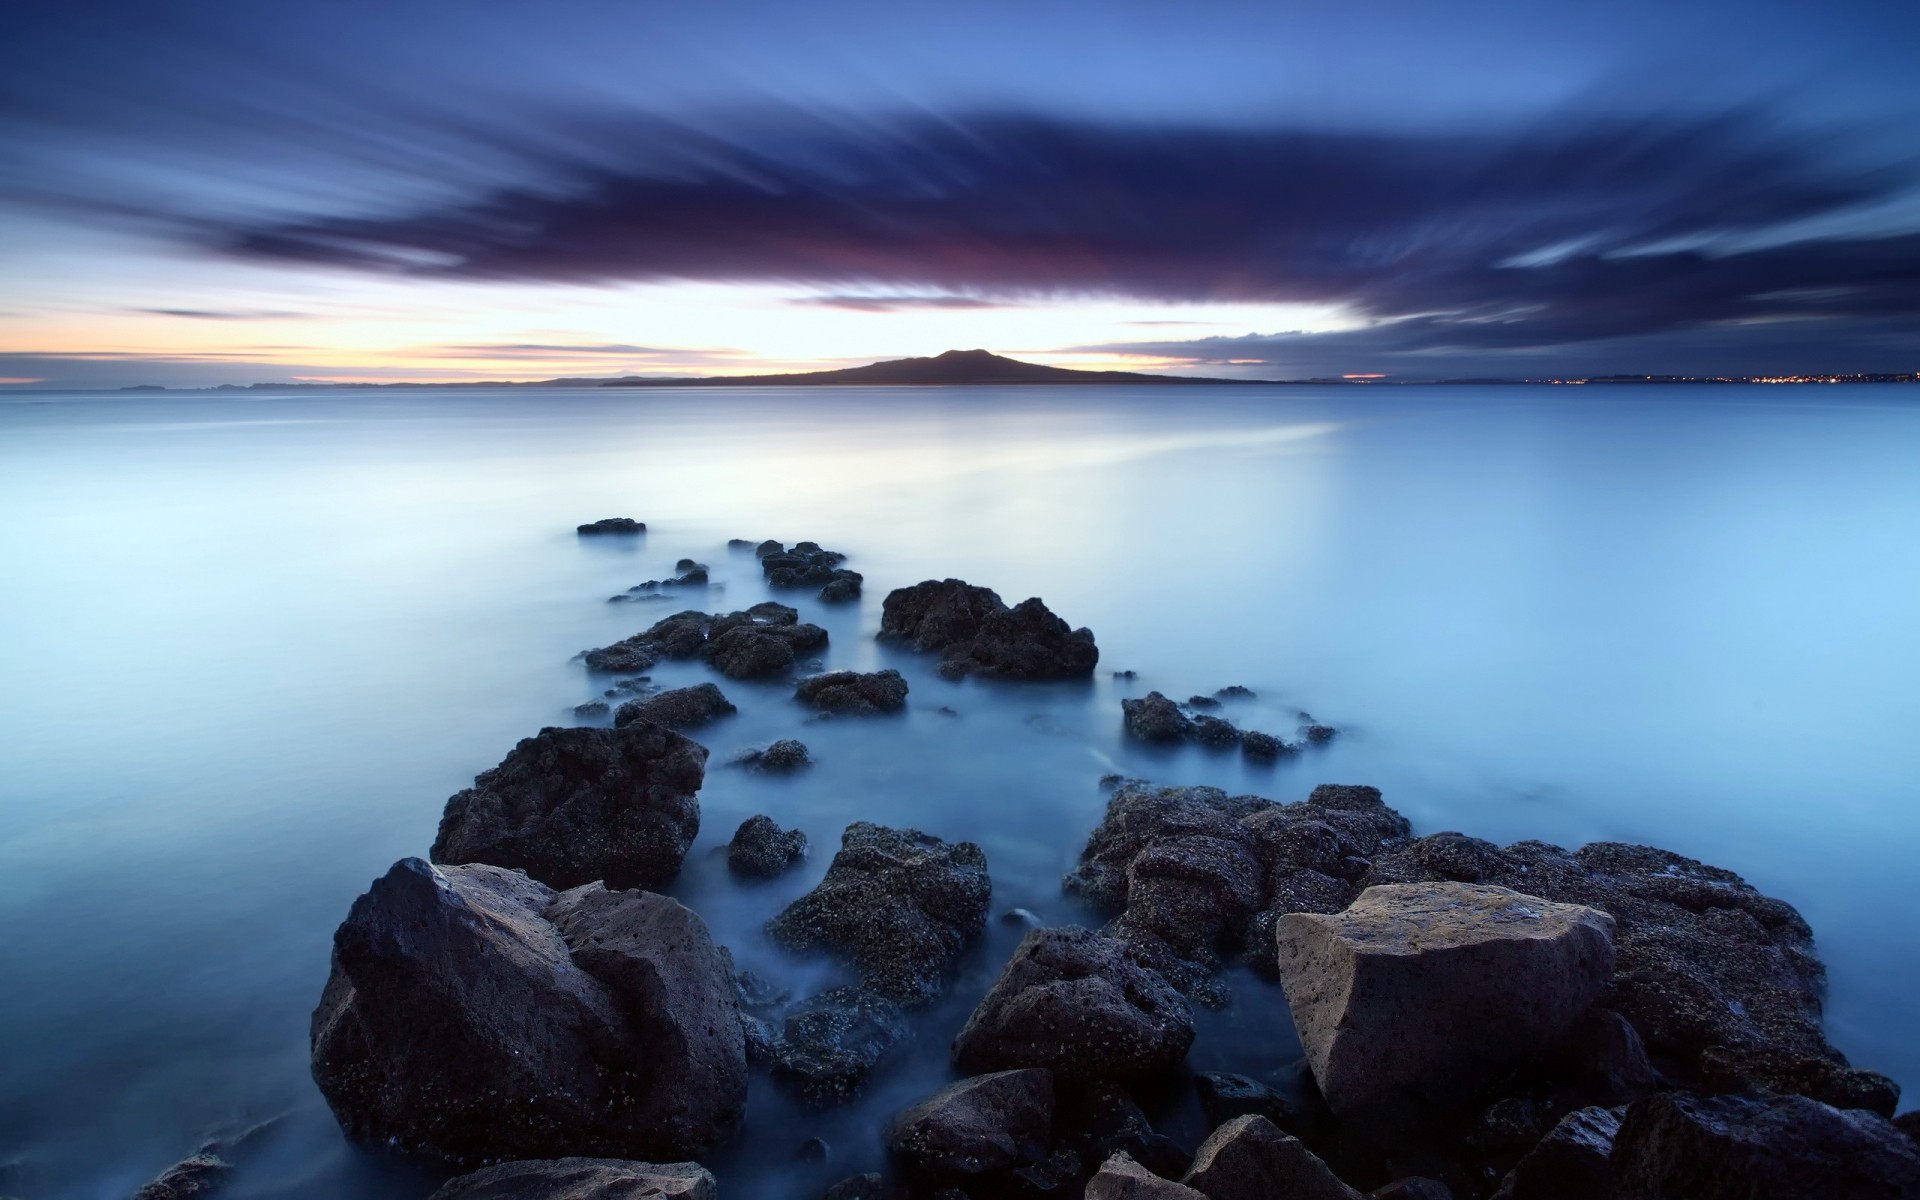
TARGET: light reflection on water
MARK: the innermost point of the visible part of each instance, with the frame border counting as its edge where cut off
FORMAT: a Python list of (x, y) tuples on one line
[(252, 643)]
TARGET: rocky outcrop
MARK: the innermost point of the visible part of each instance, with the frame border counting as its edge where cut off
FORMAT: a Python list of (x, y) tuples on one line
[(975, 1128), (1742, 1147), (456, 1022), (1721, 981), (808, 564), (1249, 1159), (896, 905), (830, 1043), (975, 633), (853, 691), (760, 849), (1572, 1162), (1081, 1005), (582, 1179), (676, 708), (192, 1178), (680, 1001), (615, 525), (1420, 992), (1191, 873), (1156, 718), (739, 644), (570, 806), (1121, 1178), (780, 758)]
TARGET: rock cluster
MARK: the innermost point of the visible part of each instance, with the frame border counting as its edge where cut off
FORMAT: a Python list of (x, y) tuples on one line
[(975, 633), (762, 640), (473, 1013), (570, 806), (612, 525), (808, 565), (690, 574), (1155, 718)]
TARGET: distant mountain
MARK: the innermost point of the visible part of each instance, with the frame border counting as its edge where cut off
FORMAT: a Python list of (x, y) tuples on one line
[(954, 368)]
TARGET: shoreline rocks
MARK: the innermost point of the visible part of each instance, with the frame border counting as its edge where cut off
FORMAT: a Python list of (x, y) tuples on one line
[(975, 633), (1156, 718), (582, 1179), (976, 1128)]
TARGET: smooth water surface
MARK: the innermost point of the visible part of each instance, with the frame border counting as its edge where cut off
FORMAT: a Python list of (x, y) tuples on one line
[(250, 643)]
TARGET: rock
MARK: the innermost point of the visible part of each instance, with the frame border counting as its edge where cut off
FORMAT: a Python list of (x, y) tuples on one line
[(842, 588), (1413, 1187), (830, 1043), (769, 547), (975, 1127), (1909, 1124), (977, 634), (897, 905), (1418, 992), (1602, 1057), (456, 1022), (1154, 718), (592, 708), (813, 1150), (781, 757), (1235, 692), (1225, 1096), (582, 1179), (677, 708), (1573, 1162), (853, 691), (1121, 1178), (871, 1186), (190, 1178), (1202, 702), (1320, 734), (936, 614), (747, 653), (1081, 1005), (1262, 746), (1249, 1159), (762, 849), (570, 806), (1747, 1148), (1720, 981), (620, 657), (807, 565), (1214, 733), (613, 525), (680, 998)]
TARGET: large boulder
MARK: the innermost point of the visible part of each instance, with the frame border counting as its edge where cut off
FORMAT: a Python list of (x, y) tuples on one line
[(1419, 992), (1721, 981), (897, 905), (978, 1126), (853, 691), (677, 708), (570, 806), (1249, 1159), (1081, 1005), (976, 633), (1759, 1148), (582, 1179), (680, 1000), (1121, 1178), (1573, 1162), (455, 1022)]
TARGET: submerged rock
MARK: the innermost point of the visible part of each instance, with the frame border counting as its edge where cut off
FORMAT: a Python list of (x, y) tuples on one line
[(197, 1176), (1249, 1159), (1742, 1147), (897, 905), (853, 691), (976, 1127), (582, 1179), (831, 1042), (1418, 992), (781, 757), (570, 806), (613, 525), (676, 708), (1081, 1005), (761, 849), (976, 633)]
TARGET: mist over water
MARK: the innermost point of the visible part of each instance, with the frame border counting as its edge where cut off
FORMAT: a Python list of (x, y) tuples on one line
[(250, 644)]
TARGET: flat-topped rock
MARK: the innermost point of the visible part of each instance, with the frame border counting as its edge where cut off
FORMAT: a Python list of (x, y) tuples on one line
[(582, 1179), (853, 691), (1418, 992), (570, 806), (615, 525), (677, 708)]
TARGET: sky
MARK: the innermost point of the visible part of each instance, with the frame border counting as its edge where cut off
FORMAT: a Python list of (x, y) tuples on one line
[(238, 191)]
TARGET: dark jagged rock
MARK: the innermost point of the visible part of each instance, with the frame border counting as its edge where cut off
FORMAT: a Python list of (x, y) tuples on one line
[(1081, 1005), (613, 525), (570, 806), (897, 905), (1203, 702), (853, 691), (592, 708), (1263, 747), (781, 757), (976, 633), (842, 588), (1121, 1178), (189, 1179), (1573, 1162), (582, 1179), (1214, 732), (769, 547), (680, 1000), (1742, 1147), (676, 708), (761, 849), (1909, 1124), (746, 653), (830, 1043), (1320, 734), (694, 634), (1249, 1159), (1603, 1059), (621, 657), (1234, 692), (456, 1022), (1721, 981), (1300, 1112), (976, 1127), (810, 565), (1154, 718)]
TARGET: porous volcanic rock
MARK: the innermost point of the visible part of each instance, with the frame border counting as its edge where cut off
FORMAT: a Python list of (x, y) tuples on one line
[(781, 757), (1419, 992), (853, 691), (1249, 1159), (1745, 1147), (570, 806), (582, 1179), (897, 905), (975, 1127), (830, 1043), (694, 634), (761, 849), (975, 633), (1155, 718), (1572, 1162), (1081, 1005), (1121, 1178), (676, 708)]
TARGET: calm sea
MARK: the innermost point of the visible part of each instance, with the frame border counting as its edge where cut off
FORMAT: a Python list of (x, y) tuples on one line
[(250, 643)]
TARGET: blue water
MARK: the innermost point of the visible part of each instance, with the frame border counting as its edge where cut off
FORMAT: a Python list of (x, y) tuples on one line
[(250, 643)]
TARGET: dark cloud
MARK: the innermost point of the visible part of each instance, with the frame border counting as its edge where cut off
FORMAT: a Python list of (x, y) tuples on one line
[(885, 304), (209, 314)]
